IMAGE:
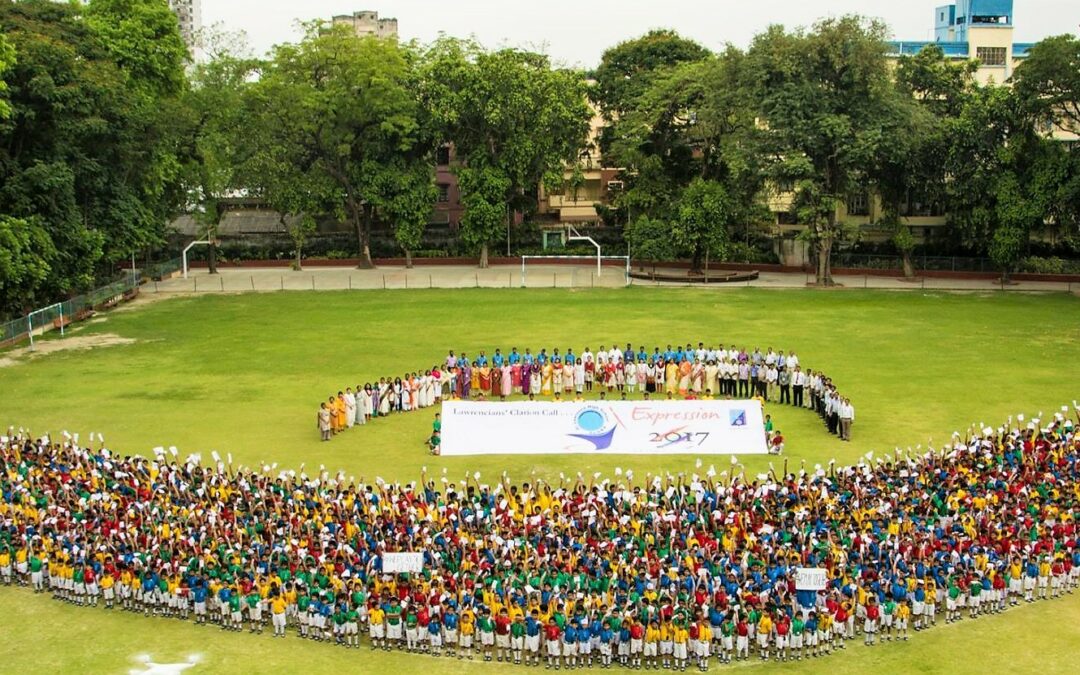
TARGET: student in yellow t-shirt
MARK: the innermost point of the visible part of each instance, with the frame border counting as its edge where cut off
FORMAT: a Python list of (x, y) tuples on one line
[(680, 636), (278, 606), (377, 627), (652, 645), (764, 634)]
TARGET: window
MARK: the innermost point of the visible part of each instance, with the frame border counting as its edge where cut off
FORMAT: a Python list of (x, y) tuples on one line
[(990, 56), (444, 192), (785, 185), (614, 185), (786, 218), (858, 204), (442, 155)]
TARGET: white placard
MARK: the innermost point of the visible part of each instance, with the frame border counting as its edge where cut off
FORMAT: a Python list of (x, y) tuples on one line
[(811, 578), (394, 563), (603, 427)]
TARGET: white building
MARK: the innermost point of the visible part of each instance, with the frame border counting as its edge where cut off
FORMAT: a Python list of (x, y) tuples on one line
[(189, 14)]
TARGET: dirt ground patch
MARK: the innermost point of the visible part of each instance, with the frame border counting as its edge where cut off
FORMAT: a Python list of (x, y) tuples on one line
[(45, 347)]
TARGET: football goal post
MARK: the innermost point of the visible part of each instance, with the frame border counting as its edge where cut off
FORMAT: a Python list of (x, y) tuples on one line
[(623, 260)]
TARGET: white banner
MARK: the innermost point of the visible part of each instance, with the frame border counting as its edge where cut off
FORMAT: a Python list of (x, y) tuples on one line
[(602, 427), (811, 578), (394, 563)]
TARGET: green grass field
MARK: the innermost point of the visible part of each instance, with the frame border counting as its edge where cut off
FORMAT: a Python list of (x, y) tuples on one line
[(244, 374)]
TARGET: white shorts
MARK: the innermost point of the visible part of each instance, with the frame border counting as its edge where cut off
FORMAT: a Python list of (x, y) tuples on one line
[(635, 645), (278, 620), (517, 643), (487, 639), (532, 643), (377, 631), (569, 649), (680, 651), (651, 648), (667, 647), (502, 641), (393, 631), (553, 648)]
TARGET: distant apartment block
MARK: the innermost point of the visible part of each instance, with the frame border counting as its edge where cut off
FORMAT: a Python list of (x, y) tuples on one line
[(189, 14), (366, 23)]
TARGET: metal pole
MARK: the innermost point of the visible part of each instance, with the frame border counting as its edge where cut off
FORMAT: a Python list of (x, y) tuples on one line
[(196, 284), (252, 277), (221, 282), (61, 306), (30, 329)]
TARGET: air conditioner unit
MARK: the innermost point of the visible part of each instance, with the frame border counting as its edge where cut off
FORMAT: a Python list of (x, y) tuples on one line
[(614, 185)]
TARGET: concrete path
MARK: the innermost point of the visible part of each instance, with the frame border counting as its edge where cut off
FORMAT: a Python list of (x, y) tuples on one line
[(539, 276)]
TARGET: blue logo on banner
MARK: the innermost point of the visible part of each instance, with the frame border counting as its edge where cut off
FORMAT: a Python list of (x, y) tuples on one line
[(738, 418), (594, 426)]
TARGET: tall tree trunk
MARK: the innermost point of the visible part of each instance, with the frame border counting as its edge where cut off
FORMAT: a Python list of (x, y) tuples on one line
[(362, 215), (909, 266), (408, 259), (484, 256), (824, 261), (695, 262)]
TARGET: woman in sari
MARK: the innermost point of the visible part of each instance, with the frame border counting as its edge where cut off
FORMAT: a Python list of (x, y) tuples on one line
[(496, 381), (350, 408), (507, 380), (697, 376), (398, 390), (643, 372), (466, 376), (484, 377), (515, 377), (650, 376), (546, 372), (671, 377), (684, 376), (386, 395), (556, 374), (526, 378)]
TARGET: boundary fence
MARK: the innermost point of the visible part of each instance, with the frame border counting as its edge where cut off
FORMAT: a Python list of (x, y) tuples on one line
[(58, 316)]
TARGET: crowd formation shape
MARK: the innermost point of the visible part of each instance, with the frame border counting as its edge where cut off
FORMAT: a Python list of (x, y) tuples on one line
[(684, 372), (665, 571)]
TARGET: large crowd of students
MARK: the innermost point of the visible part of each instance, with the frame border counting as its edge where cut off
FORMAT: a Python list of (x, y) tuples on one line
[(675, 372), (655, 571)]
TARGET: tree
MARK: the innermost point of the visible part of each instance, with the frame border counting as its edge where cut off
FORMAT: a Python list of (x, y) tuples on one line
[(85, 149), (825, 97), (341, 112), (212, 130), (26, 251), (515, 122), (1049, 78), (692, 141), (650, 239), (931, 91), (7, 60), (628, 69), (700, 227)]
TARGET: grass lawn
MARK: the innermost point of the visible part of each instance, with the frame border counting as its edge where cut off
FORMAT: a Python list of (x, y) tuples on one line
[(244, 374)]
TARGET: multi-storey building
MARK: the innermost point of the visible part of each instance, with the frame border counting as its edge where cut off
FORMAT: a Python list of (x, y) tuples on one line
[(366, 23), (189, 14)]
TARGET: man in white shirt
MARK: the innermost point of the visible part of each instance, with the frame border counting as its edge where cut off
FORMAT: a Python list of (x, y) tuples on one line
[(798, 381), (792, 360), (847, 418), (586, 356), (615, 354), (771, 375), (601, 355)]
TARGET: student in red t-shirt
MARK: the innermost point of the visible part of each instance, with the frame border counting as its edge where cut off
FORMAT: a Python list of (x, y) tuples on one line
[(502, 635), (552, 633)]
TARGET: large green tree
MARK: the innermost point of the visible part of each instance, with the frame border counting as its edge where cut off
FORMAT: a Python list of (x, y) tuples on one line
[(628, 70), (515, 121), (826, 98), (212, 134), (84, 152), (692, 140), (1049, 80), (341, 112)]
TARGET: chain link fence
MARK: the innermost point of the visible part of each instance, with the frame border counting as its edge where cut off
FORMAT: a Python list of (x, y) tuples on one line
[(62, 313)]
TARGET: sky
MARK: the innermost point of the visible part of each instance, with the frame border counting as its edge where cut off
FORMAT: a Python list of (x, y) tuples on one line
[(576, 32)]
